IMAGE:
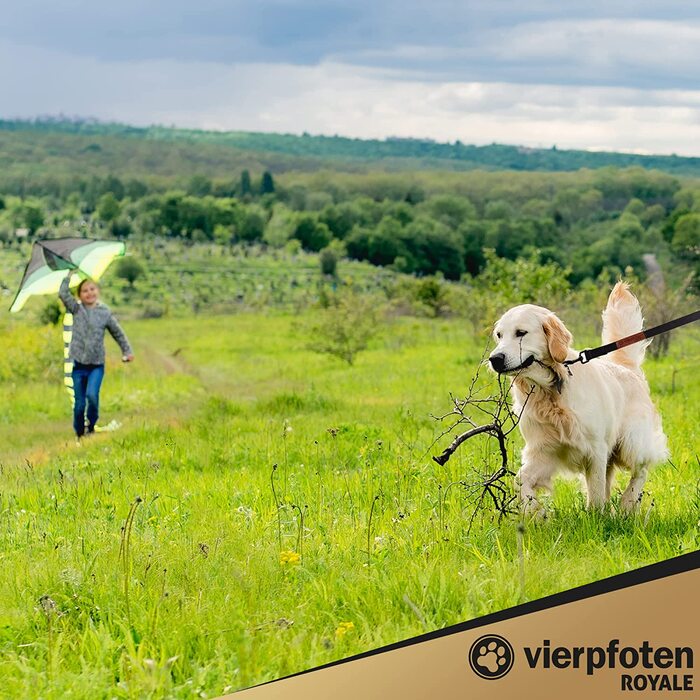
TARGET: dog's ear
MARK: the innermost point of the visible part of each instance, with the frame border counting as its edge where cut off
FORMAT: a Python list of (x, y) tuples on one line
[(558, 337)]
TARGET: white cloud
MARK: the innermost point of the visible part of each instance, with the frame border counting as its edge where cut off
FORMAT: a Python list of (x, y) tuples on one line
[(333, 98), (640, 53), (671, 47)]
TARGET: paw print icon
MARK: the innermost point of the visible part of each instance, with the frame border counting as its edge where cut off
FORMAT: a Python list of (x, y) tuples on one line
[(491, 657)]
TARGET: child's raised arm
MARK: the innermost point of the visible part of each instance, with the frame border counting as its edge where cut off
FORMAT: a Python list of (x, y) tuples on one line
[(65, 296)]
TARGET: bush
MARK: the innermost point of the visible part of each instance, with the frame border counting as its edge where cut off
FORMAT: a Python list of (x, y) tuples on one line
[(344, 328), (154, 311), (432, 294), (329, 262), (312, 235), (129, 269), (51, 313), (505, 283)]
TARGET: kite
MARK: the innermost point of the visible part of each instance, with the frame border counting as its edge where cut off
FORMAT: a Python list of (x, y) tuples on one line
[(52, 258)]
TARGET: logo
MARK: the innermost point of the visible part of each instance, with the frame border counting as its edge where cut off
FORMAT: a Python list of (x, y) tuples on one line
[(650, 667), (491, 657)]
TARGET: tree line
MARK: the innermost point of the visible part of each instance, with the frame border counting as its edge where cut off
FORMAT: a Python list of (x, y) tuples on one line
[(427, 152), (423, 222)]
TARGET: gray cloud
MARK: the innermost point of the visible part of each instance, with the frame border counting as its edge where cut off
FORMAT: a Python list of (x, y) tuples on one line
[(595, 42), (615, 75), (333, 98)]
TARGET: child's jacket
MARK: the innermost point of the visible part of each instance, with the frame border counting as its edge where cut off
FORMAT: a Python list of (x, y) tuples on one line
[(87, 345)]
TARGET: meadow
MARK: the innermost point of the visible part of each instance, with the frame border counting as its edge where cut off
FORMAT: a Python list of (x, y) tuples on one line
[(265, 509)]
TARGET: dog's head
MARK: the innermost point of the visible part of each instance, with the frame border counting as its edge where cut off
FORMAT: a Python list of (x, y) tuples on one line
[(527, 338)]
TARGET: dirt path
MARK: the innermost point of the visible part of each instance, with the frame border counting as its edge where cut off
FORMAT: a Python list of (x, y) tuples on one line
[(37, 443)]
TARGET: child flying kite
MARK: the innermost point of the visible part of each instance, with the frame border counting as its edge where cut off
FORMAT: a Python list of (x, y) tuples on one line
[(87, 349), (50, 270)]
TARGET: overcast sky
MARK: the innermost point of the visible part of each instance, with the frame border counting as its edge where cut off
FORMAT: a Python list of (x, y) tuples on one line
[(603, 75)]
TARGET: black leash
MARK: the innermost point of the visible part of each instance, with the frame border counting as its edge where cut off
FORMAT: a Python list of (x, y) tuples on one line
[(588, 355)]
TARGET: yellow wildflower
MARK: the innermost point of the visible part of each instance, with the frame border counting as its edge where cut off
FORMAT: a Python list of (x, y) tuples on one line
[(343, 629), (288, 557)]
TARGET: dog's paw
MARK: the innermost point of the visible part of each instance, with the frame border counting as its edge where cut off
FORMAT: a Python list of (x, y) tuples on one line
[(532, 510), (630, 503)]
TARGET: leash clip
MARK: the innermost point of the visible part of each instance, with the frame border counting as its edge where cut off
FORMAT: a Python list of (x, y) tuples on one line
[(582, 358)]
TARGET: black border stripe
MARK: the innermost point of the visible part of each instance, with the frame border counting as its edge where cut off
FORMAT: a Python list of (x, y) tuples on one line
[(651, 572)]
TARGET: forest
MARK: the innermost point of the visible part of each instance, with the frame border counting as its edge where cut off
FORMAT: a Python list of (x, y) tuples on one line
[(590, 222)]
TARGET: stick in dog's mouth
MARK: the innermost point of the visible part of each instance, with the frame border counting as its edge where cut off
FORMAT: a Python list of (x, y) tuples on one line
[(523, 365)]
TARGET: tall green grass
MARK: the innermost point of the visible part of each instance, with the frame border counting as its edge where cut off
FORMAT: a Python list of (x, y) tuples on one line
[(283, 495)]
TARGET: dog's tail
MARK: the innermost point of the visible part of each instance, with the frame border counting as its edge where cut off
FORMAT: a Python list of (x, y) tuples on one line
[(623, 317)]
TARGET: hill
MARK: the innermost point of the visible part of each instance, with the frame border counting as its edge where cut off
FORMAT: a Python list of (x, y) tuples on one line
[(281, 152)]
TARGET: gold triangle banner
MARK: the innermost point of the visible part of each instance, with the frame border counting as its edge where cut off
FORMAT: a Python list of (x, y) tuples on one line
[(635, 635)]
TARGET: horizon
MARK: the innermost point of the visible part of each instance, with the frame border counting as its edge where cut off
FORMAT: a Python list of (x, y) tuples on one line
[(80, 119)]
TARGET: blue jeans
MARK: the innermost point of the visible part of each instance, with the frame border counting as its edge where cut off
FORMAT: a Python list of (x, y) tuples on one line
[(87, 380)]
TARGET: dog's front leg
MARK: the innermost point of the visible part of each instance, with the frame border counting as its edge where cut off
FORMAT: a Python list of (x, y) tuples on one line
[(535, 473)]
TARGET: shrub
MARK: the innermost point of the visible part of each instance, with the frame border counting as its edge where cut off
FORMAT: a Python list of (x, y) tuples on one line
[(129, 269), (51, 313), (329, 261), (345, 327), (432, 294)]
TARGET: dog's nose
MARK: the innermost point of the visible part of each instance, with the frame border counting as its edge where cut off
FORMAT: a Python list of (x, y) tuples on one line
[(497, 361)]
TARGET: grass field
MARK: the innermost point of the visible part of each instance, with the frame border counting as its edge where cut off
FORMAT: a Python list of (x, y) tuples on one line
[(231, 572)]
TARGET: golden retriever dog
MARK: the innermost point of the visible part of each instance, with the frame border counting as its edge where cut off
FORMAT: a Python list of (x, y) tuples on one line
[(591, 420)]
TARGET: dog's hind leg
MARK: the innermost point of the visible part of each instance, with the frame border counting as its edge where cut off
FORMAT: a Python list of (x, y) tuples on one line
[(633, 493), (614, 461), (609, 479), (597, 480)]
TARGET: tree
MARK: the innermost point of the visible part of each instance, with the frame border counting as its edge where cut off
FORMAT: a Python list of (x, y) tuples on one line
[(114, 185), (686, 236), (252, 226), (312, 234), (504, 283), (267, 185), (385, 242), (344, 328), (340, 218), (498, 210), (29, 214), (473, 234), (120, 228), (129, 269), (135, 189), (245, 183), (432, 247), (450, 210), (108, 207), (199, 186), (280, 227), (33, 217)]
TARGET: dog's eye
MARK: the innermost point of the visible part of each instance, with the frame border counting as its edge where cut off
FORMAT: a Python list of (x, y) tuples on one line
[(498, 335), (520, 334)]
